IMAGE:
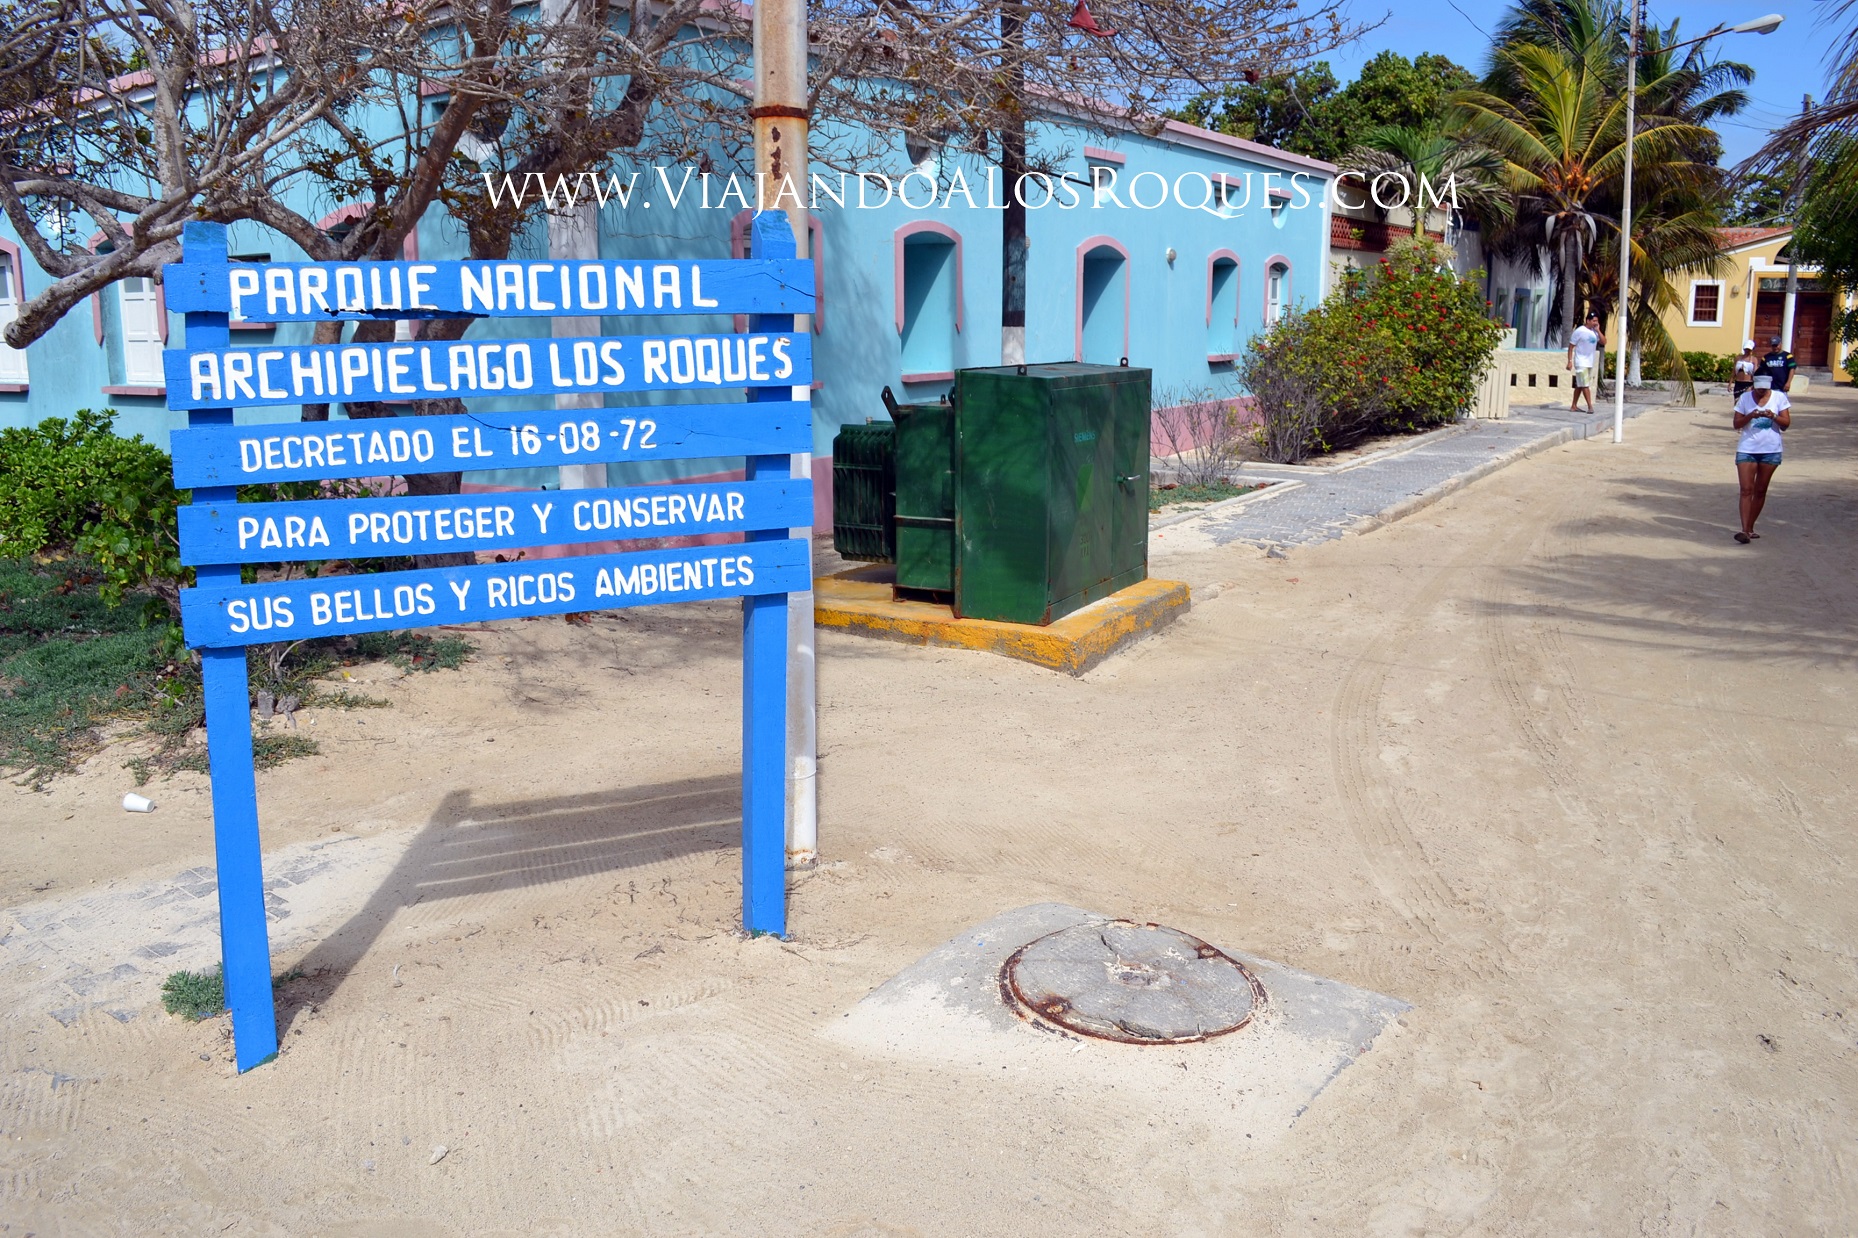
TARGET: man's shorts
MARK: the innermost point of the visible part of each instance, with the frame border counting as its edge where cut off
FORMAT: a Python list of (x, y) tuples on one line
[(1583, 376)]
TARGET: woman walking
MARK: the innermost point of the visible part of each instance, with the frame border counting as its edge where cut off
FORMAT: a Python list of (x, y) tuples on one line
[(1744, 369), (1761, 415)]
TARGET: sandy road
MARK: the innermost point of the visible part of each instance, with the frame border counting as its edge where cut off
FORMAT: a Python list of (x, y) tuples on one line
[(1553, 760)]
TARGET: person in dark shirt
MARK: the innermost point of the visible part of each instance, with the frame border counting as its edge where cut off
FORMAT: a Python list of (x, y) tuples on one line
[(1778, 364)]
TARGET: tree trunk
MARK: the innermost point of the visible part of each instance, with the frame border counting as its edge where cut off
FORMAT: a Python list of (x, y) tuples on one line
[(1637, 351), (1570, 274)]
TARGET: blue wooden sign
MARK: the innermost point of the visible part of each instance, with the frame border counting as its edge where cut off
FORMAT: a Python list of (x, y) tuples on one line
[(214, 456), (318, 291), (383, 601), (225, 455), (375, 373), (312, 531)]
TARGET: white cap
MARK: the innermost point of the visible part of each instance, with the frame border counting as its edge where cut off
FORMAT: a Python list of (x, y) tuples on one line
[(1748, 344), (1764, 382)]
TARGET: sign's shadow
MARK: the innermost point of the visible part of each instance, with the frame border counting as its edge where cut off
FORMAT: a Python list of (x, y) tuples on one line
[(466, 850)]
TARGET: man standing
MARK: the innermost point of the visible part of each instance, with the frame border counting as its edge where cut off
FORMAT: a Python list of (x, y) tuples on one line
[(1584, 346), (1778, 364)]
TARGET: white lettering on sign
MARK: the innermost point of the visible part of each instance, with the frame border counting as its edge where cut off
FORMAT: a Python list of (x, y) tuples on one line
[(365, 604), (647, 511), (374, 371), (529, 589), (328, 449), (677, 576), (258, 614), (292, 532)]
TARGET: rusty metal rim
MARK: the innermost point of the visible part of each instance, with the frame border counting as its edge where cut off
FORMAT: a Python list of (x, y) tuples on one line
[(1046, 1015)]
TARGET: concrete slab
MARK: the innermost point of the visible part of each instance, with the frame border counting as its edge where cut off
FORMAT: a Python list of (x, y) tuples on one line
[(859, 601), (948, 1008)]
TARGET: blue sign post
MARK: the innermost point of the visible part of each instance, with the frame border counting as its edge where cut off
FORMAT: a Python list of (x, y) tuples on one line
[(213, 457)]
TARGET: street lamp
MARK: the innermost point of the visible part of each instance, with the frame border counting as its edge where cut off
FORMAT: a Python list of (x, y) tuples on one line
[(1760, 25)]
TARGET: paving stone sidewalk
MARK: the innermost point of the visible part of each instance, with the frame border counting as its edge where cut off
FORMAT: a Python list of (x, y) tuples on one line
[(1315, 503), (107, 951)]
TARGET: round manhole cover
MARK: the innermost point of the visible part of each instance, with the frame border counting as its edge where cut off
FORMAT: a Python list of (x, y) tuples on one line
[(1141, 984)]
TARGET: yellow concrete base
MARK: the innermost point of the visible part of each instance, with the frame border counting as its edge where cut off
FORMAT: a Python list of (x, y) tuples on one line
[(859, 601)]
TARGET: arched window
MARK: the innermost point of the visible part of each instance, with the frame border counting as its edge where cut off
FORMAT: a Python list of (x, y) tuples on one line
[(1276, 288), (928, 299), (1102, 333), (1222, 306), (13, 370)]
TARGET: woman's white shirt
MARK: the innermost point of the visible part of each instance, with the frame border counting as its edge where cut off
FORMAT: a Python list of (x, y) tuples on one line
[(1745, 369), (1761, 435)]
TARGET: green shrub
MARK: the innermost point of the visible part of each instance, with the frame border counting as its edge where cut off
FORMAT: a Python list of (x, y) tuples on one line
[(194, 995), (1709, 367), (1402, 346), (1703, 367), (77, 486)]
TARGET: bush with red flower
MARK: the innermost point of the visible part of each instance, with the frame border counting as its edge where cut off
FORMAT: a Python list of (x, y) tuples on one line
[(1401, 346)]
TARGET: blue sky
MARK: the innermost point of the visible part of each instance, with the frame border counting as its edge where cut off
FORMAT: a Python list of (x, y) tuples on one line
[(1787, 63)]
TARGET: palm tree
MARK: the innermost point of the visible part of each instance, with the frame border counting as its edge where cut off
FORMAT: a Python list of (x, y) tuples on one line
[(1665, 242), (1561, 134), (1470, 177)]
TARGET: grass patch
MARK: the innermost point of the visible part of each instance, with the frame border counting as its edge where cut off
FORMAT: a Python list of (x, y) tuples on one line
[(194, 995), (414, 651), (1169, 495), (197, 995), (70, 662), (342, 698)]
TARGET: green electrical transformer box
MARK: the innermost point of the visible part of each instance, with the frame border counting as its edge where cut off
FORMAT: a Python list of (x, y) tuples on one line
[(1050, 488)]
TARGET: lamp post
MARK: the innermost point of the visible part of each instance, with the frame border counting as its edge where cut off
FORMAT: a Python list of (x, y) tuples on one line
[(1760, 25)]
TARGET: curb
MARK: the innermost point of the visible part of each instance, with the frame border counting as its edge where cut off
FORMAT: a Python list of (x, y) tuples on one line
[(1426, 498)]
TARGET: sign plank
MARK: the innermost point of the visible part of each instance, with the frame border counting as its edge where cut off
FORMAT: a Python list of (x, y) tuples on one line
[(321, 291), (315, 530), (375, 447), (413, 370), (342, 605)]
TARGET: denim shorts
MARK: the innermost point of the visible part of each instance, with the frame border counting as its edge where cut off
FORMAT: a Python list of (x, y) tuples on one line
[(1757, 457)]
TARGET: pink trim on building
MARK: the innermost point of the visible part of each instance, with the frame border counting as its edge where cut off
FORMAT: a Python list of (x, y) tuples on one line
[(1099, 155), (1273, 261), (19, 270), (1212, 260), (897, 240), (1089, 246)]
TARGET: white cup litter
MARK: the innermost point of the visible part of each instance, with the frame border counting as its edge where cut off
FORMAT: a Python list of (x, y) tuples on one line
[(137, 803)]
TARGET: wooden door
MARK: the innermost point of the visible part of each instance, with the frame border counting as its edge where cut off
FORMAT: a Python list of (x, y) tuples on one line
[(1812, 327), (1768, 309)]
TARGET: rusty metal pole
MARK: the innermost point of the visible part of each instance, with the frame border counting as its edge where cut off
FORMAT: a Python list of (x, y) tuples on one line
[(780, 117)]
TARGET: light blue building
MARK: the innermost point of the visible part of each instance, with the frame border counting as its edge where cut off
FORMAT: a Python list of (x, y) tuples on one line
[(1171, 250)]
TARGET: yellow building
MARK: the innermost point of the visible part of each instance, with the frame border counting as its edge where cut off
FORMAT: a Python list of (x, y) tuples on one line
[(1747, 300)]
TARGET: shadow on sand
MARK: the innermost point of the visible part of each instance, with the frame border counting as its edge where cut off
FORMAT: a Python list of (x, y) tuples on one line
[(467, 849)]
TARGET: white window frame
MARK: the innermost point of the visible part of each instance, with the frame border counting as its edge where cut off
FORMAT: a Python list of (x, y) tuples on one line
[(14, 368), (141, 356), (1276, 290), (1690, 305)]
